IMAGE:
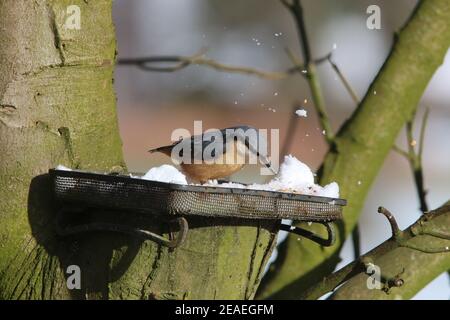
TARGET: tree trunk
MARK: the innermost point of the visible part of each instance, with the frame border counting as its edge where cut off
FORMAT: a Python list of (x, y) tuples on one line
[(57, 105)]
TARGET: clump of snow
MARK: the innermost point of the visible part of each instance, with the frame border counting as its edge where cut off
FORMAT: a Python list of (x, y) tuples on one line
[(301, 113), (330, 190), (294, 177), (62, 168), (165, 173), (293, 174)]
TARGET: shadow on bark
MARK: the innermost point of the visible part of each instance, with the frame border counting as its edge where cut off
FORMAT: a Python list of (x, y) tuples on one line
[(93, 252)]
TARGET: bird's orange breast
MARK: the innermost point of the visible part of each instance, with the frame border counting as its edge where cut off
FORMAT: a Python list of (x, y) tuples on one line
[(225, 165), (204, 172)]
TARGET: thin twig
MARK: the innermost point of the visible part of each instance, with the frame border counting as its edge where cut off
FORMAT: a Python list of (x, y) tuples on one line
[(157, 64), (356, 242), (401, 237), (296, 10), (286, 4), (393, 223), (422, 133), (415, 158), (294, 59), (244, 70), (180, 62), (401, 151), (344, 80), (332, 281), (411, 142)]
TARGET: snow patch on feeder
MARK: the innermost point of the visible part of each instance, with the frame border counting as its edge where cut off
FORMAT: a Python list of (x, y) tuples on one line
[(62, 168), (294, 177), (165, 173)]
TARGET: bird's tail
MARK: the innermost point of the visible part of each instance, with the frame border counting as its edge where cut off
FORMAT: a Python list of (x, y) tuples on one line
[(164, 149)]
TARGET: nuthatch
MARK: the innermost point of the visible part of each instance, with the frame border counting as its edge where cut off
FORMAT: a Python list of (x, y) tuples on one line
[(227, 150)]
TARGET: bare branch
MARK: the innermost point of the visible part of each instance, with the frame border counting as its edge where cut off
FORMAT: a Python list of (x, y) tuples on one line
[(345, 82), (155, 63), (332, 281), (415, 158), (401, 151), (394, 226), (422, 133), (309, 71), (286, 3), (356, 242)]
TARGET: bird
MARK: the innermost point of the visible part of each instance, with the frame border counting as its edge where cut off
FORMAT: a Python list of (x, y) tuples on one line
[(226, 151)]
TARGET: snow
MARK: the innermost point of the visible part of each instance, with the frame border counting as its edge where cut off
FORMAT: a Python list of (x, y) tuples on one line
[(62, 168), (294, 174), (301, 113), (165, 173), (293, 177)]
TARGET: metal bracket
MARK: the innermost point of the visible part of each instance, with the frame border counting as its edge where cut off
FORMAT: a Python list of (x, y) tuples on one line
[(326, 242), (112, 227)]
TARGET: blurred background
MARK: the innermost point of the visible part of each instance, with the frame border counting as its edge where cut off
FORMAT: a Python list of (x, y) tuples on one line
[(255, 33)]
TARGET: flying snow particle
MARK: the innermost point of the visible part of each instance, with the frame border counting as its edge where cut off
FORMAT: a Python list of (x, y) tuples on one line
[(301, 113)]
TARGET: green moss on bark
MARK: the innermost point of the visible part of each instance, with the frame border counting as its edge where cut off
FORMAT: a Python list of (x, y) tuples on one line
[(57, 106)]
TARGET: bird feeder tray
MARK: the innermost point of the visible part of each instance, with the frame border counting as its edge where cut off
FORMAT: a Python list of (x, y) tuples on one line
[(77, 188)]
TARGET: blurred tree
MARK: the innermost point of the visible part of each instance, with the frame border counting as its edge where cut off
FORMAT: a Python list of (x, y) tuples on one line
[(57, 106), (358, 150)]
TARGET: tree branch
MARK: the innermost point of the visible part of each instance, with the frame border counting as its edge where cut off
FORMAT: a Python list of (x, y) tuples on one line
[(364, 141), (399, 239), (356, 236), (344, 81), (415, 158), (156, 63), (413, 261), (296, 10), (175, 63)]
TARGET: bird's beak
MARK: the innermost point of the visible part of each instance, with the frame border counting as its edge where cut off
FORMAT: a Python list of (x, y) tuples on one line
[(267, 163)]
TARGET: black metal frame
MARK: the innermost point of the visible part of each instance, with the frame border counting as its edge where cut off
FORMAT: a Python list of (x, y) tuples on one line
[(173, 242)]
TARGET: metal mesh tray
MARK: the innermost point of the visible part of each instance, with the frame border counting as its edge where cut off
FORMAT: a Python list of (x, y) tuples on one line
[(124, 192)]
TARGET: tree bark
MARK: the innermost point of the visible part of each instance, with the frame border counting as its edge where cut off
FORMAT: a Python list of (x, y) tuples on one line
[(414, 268), (364, 141), (57, 106)]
